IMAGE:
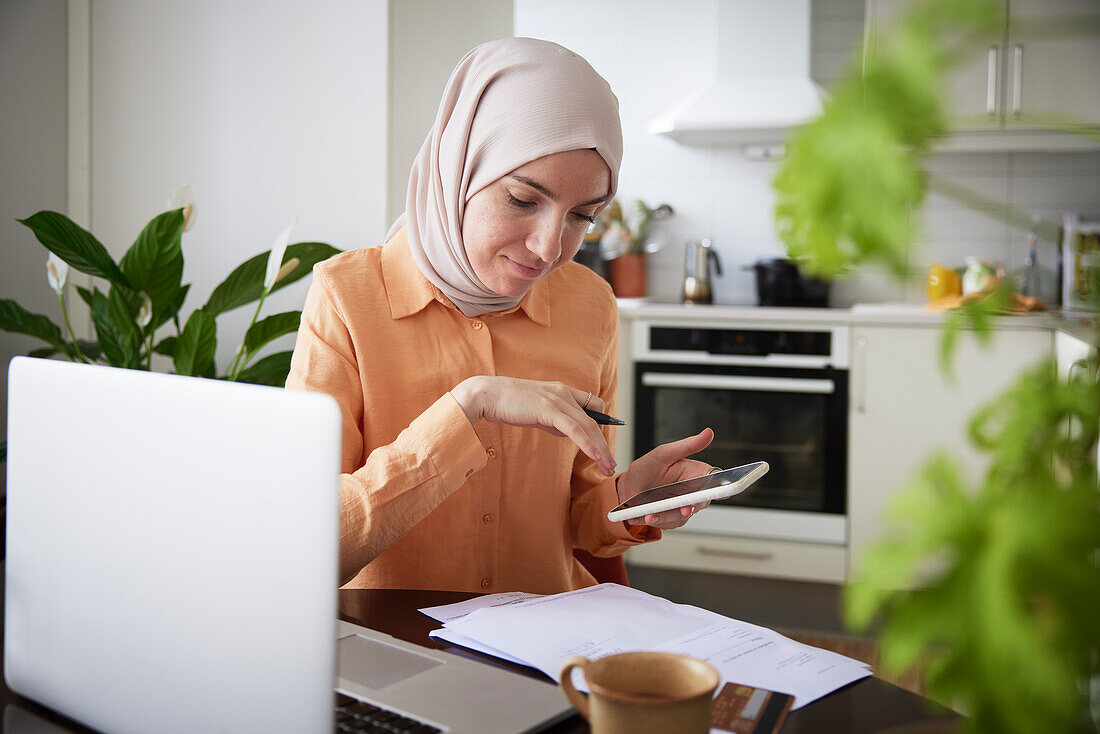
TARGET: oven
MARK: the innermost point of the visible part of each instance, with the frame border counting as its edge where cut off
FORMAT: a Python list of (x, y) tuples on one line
[(771, 392)]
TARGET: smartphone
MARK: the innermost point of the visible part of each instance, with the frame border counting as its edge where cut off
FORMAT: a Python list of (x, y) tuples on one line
[(716, 486)]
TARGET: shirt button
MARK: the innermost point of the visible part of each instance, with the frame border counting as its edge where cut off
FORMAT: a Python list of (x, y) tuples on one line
[(491, 452), (487, 518), (477, 325), (486, 582), (469, 473)]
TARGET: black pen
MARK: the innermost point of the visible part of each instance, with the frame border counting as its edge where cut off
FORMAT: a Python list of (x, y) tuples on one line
[(604, 419)]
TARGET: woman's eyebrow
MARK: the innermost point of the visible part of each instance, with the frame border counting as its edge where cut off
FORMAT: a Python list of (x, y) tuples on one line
[(550, 194)]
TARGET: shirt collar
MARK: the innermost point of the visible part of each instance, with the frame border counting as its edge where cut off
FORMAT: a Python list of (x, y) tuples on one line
[(409, 292)]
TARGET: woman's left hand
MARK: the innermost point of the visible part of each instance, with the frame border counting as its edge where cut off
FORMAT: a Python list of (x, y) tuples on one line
[(663, 465)]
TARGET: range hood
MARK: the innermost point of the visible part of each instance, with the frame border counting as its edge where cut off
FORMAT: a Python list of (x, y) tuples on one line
[(761, 84)]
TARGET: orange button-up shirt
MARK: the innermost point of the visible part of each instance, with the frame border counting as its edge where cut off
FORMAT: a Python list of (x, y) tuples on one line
[(427, 500)]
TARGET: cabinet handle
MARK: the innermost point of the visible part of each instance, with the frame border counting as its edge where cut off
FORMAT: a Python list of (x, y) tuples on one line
[(861, 373), (1079, 366), (991, 83), (743, 555), (1017, 79)]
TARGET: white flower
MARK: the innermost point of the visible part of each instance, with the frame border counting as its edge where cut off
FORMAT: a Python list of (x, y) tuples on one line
[(57, 272), (275, 259), (145, 310), (182, 198)]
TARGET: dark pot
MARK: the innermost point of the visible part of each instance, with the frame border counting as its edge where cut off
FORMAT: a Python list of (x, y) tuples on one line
[(779, 283)]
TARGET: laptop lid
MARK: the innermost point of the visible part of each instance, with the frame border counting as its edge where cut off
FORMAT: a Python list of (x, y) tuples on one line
[(171, 550)]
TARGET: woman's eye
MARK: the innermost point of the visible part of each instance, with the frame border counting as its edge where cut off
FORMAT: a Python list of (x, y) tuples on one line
[(522, 204), (584, 217)]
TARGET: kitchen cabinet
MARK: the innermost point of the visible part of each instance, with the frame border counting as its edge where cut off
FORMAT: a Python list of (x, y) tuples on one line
[(903, 408), (1070, 354), (1038, 77)]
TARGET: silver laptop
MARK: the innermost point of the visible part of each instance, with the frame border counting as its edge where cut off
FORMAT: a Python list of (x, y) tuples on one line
[(172, 565)]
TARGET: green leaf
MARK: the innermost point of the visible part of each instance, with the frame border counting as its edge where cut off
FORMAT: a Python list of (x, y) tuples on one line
[(271, 370), (174, 308), (123, 306), (114, 344), (246, 283), (74, 244), (263, 332), (167, 346), (18, 320), (196, 345), (154, 263), (88, 348)]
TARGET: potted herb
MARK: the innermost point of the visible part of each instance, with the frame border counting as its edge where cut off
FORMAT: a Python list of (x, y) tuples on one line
[(625, 244), (992, 589)]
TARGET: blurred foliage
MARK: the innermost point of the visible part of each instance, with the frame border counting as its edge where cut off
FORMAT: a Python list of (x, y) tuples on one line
[(993, 590), (1003, 617), (849, 180)]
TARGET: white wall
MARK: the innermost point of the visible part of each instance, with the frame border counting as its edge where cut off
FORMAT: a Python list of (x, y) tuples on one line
[(268, 109), (427, 39), (655, 52), (32, 160)]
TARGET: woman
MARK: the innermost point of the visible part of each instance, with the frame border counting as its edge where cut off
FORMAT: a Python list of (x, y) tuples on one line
[(469, 329)]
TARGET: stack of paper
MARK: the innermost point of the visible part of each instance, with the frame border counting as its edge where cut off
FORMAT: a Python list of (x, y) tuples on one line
[(541, 631)]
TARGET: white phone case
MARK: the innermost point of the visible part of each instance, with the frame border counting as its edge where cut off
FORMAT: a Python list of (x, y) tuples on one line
[(689, 497)]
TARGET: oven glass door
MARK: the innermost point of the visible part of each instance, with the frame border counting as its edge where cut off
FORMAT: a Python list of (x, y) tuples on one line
[(794, 419)]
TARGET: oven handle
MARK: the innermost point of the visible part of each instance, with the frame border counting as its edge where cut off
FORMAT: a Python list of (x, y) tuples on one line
[(739, 382), (726, 553)]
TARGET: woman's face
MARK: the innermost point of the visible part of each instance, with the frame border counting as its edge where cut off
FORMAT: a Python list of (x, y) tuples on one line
[(531, 221)]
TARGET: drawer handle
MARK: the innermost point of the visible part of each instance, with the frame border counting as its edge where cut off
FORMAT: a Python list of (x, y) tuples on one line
[(743, 555)]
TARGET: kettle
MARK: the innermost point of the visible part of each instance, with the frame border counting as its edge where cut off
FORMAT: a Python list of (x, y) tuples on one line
[(697, 259)]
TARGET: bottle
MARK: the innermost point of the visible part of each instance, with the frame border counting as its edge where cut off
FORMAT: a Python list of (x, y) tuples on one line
[(1031, 283)]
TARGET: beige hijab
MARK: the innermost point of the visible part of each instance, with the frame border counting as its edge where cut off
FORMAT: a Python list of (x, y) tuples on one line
[(506, 104)]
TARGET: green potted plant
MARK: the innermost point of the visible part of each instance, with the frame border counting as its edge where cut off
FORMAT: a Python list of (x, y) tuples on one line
[(993, 590), (135, 303)]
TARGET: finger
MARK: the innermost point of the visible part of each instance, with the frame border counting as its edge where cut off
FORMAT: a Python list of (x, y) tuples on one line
[(670, 453), (581, 396), (584, 432)]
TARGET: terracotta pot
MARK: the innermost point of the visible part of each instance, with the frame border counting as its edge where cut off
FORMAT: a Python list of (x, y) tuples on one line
[(628, 276)]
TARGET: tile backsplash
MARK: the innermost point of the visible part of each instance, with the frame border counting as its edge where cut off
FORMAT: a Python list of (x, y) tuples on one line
[(655, 52)]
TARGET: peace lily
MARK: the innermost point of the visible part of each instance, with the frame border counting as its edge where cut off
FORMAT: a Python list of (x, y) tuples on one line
[(182, 198), (275, 259), (57, 272), (145, 310)]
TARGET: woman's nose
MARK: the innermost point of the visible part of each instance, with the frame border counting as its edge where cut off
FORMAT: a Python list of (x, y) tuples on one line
[(545, 241)]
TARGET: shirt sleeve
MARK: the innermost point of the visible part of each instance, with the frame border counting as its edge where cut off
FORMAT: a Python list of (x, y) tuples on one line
[(395, 486), (593, 494)]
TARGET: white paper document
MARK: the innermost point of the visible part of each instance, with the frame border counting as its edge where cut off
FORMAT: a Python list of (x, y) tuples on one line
[(541, 631)]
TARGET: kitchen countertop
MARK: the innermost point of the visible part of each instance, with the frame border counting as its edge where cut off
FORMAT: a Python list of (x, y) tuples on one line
[(1078, 324)]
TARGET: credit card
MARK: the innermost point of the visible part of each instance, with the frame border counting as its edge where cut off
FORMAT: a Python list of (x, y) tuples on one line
[(746, 710)]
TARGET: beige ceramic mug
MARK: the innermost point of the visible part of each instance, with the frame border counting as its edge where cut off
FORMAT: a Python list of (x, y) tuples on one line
[(643, 693)]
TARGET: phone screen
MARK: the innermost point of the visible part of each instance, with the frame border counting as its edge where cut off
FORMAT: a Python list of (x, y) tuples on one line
[(688, 486)]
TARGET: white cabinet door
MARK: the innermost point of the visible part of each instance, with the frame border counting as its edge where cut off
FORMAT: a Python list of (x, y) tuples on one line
[(972, 91), (1052, 63), (1040, 75), (903, 408)]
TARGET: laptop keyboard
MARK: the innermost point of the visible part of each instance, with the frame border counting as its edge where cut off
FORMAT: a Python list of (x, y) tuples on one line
[(353, 715)]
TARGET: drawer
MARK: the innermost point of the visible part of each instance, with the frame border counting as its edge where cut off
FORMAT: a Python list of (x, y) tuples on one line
[(743, 556)]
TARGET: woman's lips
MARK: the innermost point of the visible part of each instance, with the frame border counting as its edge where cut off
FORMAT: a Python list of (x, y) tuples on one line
[(524, 270)]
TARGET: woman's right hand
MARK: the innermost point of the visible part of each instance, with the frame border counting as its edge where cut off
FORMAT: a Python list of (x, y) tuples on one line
[(551, 406)]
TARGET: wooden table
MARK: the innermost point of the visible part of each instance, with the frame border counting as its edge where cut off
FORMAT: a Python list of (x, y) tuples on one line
[(869, 705), (866, 706)]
